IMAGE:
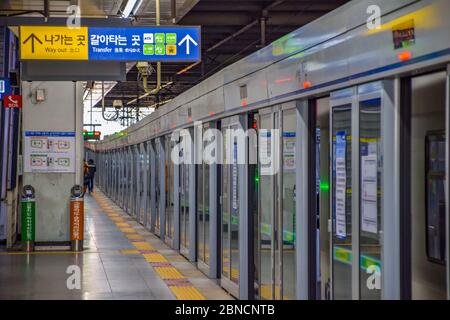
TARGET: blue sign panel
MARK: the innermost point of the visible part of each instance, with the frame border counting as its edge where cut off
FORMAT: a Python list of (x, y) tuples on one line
[(4, 87), (145, 44)]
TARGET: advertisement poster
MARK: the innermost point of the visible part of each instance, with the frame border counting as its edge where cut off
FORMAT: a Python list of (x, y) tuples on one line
[(341, 184), (49, 151)]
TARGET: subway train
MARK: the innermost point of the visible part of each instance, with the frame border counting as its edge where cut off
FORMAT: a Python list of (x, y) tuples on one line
[(355, 204)]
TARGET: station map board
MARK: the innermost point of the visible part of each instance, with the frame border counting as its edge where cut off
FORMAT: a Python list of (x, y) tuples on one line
[(166, 44), (49, 152)]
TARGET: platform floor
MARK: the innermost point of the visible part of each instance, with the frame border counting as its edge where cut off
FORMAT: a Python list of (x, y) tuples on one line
[(121, 260)]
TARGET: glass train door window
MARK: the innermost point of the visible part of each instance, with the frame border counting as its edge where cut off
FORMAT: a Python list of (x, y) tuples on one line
[(225, 209), (230, 203), (435, 197), (288, 204), (266, 209), (169, 187), (157, 184), (184, 202), (341, 201), (203, 207), (370, 165), (149, 188), (277, 138), (234, 216)]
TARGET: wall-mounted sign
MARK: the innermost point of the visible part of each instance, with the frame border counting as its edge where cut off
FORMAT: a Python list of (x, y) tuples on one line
[(404, 35), (177, 44), (4, 87), (49, 151), (12, 101)]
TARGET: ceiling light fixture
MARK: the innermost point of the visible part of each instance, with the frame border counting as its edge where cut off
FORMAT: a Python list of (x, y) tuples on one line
[(128, 8)]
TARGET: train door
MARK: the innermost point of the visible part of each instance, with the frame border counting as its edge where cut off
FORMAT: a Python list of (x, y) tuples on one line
[(136, 182), (148, 208), (157, 147), (169, 179), (322, 127), (122, 178), (230, 201), (203, 209), (428, 204), (184, 180), (276, 241), (363, 214), (133, 181)]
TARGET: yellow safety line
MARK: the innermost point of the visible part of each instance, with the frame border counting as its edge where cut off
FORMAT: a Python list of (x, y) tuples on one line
[(154, 257), (168, 273), (127, 230), (122, 225), (143, 245), (134, 236), (182, 292), (186, 293), (130, 251)]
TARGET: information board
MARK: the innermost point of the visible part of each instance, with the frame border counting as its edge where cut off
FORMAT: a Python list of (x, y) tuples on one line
[(166, 44), (49, 151), (341, 184)]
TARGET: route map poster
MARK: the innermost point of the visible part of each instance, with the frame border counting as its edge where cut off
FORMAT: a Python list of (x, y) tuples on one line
[(49, 151)]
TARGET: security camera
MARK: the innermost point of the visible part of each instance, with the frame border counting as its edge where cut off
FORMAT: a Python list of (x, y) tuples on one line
[(142, 67), (117, 104)]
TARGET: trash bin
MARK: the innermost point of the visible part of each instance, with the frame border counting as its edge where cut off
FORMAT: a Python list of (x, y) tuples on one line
[(28, 216), (77, 218)]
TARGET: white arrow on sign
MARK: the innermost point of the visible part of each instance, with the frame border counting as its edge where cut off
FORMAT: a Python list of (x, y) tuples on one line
[(188, 39)]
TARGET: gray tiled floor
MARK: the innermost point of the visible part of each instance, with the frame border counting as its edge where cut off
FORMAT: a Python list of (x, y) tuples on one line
[(106, 273)]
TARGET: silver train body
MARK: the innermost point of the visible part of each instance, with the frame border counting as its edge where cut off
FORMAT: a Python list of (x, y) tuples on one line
[(359, 206)]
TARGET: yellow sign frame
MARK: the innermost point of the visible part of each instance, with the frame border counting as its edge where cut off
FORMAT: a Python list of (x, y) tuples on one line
[(53, 43)]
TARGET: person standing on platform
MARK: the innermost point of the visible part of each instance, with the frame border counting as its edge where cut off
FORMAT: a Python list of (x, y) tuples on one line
[(92, 168)]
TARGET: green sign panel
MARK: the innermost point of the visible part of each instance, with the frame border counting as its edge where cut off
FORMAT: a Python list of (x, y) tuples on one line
[(28, 220)]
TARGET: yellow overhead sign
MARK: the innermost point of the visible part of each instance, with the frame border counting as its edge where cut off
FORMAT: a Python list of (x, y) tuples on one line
[(53, 43)]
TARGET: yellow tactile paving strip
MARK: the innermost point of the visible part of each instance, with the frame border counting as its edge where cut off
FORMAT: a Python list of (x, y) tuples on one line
[(177, 283)]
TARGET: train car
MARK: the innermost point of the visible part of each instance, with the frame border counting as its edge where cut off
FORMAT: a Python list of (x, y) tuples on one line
[(356, 207)]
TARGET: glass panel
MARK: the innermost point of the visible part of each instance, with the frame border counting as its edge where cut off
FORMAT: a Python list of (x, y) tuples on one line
[(225, 212), (435, 200), (149, 189), (266, 209), (200, 224), (234, 223), (182, 220), (157, 181), (370, 198), (169, 188), (289, 235), (186, 204), (206, 169), (428, 238), (183, 205), (341, 202)]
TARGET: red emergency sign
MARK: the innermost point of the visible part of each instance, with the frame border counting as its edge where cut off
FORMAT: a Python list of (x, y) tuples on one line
[(12, 101)]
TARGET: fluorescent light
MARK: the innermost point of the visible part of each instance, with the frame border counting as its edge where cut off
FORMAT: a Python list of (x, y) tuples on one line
[(128, 8), (138, 6)]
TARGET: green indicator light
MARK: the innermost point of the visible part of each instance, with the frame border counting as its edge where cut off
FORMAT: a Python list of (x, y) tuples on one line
[(256, 176), (324, 186)]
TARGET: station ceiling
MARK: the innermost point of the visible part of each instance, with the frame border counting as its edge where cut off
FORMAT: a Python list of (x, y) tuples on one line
[(231, 30)]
